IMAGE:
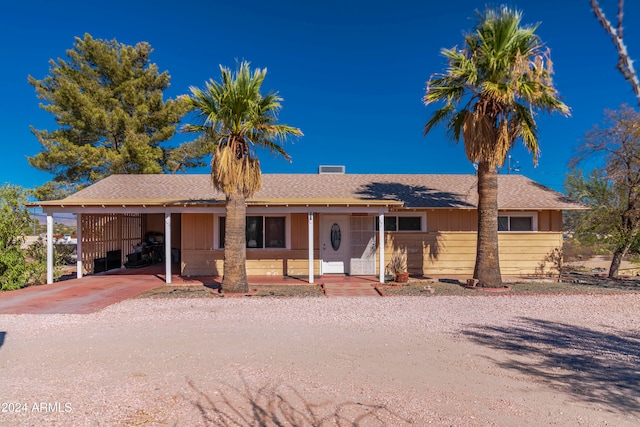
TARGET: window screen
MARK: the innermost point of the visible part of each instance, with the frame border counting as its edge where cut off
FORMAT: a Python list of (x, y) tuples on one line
[(503, 223), (409, 223), (521, 223), (274, 232), (261, 232), (515, 223)]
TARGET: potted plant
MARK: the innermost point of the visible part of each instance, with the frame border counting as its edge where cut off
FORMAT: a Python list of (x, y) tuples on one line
[(397, 266)]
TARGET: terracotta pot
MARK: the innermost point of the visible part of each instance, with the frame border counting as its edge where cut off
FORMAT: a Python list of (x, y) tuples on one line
[(402, 277)]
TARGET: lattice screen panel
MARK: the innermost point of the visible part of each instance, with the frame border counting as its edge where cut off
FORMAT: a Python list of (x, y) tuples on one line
[(363, 245)]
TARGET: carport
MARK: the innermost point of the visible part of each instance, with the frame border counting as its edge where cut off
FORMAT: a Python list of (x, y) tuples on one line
[(107, 235)]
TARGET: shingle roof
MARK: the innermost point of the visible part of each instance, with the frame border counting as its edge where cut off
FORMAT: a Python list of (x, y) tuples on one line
[(414, 190)]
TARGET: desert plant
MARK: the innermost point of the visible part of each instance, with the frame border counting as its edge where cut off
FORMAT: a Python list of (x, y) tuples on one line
[(398, 262), (555, 258)]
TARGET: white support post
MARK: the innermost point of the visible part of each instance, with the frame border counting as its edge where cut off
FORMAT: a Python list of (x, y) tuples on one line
[(49, 248), (79, 271), (167, 246), (310, 234), (381, 244)]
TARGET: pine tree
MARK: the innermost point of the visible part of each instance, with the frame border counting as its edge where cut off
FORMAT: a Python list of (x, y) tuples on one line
[(107, 99)]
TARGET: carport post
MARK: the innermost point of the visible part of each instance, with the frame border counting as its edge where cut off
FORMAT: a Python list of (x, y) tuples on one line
[(167, 246), (310, 234), (381, 244), (49, 249), (79, 246)]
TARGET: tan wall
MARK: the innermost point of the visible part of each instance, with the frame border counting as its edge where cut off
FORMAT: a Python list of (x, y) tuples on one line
[(275, 262), (300, 231), (439, 220), (176, 230), (451, 220), (259, 263), (550, 221), (201, 262), (197, 231), (199, 259), (446, 252), (155, 222), (454, 253)]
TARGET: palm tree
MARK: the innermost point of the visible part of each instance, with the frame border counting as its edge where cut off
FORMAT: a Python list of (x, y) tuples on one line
[(237, 118), (491, 89)]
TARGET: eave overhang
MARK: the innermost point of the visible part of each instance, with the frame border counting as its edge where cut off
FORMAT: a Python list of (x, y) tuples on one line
[(79, 204)]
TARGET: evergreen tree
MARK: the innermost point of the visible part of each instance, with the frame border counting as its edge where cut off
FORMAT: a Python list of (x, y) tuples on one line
[(107, 99)]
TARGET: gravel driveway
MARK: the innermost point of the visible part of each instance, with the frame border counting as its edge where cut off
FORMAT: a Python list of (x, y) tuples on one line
[(462, 361)]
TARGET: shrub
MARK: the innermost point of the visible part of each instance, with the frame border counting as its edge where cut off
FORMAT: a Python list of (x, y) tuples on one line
[(20, 267), (14, 221), (576, 250)]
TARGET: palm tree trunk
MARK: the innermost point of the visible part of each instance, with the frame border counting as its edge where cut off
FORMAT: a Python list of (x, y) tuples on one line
[(235, 246), (487, 268)]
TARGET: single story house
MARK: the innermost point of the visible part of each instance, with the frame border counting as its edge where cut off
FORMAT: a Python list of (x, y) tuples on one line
[(310, 225)]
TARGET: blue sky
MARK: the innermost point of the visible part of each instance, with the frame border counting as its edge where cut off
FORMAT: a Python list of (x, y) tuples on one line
[(352, 73)]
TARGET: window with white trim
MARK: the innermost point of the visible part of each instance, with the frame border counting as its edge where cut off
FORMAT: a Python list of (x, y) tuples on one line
[(404, 222), (261, 231), (525, 221)]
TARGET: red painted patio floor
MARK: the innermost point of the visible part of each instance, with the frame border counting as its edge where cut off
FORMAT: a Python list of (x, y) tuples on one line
[(93, 293)]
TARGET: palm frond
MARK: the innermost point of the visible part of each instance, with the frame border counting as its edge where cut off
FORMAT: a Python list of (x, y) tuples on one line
[(492, 86), (439, 116), (456, 125), (235, 114)]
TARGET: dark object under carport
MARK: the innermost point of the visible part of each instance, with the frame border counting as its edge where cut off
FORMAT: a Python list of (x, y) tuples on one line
[(111, 261)]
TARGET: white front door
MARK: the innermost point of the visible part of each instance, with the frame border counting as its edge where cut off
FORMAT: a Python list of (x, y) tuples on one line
[(334, 244)]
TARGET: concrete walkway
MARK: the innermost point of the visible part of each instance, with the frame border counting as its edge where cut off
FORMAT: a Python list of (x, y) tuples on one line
[(77, 296), (93, 293), (350, 289)]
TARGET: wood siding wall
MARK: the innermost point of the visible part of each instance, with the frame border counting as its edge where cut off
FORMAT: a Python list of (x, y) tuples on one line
[(108, 232), (203, 262), (199, 258), (155, 223), (453, 253), (440, 220), (300, 231), (448, 248)]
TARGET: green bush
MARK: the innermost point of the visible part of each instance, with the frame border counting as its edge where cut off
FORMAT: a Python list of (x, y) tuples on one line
[(14, 221), (14, 271), (20, 267)]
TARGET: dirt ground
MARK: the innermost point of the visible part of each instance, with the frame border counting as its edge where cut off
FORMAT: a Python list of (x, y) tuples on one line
[(539, 354), (566, 360)]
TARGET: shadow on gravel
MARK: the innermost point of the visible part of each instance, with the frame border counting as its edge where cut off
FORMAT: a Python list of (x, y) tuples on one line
[(599, 367), (280, 405), (2, 335)]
